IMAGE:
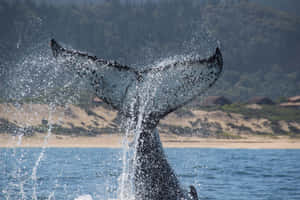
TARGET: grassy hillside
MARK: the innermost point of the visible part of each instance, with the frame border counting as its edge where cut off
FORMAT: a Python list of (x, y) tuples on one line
[(232, 122)]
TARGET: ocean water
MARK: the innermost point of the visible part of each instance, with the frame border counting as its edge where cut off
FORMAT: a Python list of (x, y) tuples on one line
[(70, 173)]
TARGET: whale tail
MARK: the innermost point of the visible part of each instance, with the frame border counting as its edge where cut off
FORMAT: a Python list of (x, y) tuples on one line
[(56, 48), (177, 83), (172, 85), (193, 193)]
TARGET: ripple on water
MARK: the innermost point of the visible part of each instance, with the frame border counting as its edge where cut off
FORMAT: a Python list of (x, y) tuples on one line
[(271, 175)]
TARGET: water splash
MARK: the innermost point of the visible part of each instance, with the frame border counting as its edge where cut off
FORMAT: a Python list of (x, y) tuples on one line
[(125, 180), (133, 128), (84, 197), (41, 155), (33, 78)]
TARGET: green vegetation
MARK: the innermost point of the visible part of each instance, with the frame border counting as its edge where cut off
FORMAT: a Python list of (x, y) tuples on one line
[(274, 113), (226, 135), (260, 45), (73, 130), (12, 128), (294, 135)]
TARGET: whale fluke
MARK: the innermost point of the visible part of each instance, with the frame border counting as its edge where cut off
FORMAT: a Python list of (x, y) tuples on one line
[(182, 80), (158, 90)]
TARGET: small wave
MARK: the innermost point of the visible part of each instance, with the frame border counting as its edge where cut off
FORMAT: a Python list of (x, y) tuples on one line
[(187, 175), (84, 197)]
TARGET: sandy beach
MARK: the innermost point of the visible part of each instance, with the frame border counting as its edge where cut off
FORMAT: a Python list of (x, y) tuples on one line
[(247, 133), (169, 141)]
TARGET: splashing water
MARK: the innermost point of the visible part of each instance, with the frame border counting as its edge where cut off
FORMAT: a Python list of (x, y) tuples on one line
[(32, 77), (84, 197), (133, 128), (126, 188), (41, 156)]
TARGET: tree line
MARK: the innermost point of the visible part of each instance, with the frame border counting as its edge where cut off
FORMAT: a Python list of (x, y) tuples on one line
[(260, 45)]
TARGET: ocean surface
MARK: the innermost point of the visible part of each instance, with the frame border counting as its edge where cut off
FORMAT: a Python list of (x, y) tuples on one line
[(70, 173)]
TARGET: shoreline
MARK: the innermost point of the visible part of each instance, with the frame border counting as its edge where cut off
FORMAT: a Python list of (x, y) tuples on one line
[(168, 141)]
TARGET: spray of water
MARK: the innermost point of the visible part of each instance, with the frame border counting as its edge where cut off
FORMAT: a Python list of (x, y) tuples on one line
[(34, 78), (133, 128), (42, 153), (125, 180)]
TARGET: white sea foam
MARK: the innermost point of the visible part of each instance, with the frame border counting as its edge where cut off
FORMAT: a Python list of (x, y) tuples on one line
[(84, 197)]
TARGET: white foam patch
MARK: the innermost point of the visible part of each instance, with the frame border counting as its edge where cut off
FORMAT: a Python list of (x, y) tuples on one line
[(84, 197)]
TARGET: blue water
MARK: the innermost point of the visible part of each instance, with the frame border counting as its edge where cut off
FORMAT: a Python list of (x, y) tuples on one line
[(66, 173)]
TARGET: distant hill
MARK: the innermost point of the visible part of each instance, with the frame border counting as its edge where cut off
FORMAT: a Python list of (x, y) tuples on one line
[(289, 6), (229, 121), (260, 45)]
